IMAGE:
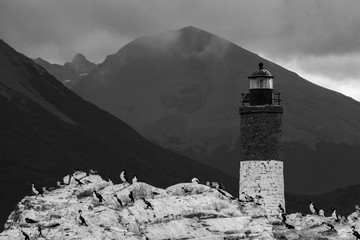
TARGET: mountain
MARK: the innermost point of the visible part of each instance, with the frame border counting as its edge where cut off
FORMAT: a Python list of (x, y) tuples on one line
[(182, 89), (70, 72), (46, 131)]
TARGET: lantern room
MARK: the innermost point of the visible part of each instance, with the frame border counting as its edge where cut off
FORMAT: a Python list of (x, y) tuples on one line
[(261, 88), (261, 79)]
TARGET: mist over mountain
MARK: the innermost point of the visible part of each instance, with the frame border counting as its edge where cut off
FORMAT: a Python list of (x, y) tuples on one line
[(46, 131), (70, 72), (182, 89)]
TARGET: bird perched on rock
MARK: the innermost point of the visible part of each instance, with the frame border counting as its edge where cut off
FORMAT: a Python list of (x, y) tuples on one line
[(49, 189), (131, 196), (195, 180), (321, 213), (93, 171), (40, 233), (36, 191), (221, 186), (123, 177), (248, 198), (357, 208), (26, 236), (29, 220), (82, 219), (109, 180), (144, 237), (118, 200), (69, 180), (330, 226), (80, 183), (281, 209), (154, 193), (288, 226), (98, 196), (134, 180), (148, 204), (186, 191), (59, 184), (313, 209), (355, 233), (333, 214), (283, 217), (259, 198)]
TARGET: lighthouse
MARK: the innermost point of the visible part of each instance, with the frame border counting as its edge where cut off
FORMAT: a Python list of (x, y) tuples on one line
[(261, 162)]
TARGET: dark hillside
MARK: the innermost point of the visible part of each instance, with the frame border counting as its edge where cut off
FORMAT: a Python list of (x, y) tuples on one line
[(46, 130)]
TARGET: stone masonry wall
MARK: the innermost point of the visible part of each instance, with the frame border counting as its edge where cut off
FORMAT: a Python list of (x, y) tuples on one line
[(261, 133), (261, 166), (265, 179)]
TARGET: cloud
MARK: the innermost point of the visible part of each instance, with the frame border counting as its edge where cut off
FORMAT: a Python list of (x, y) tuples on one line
[(279, 27), (317, 31)]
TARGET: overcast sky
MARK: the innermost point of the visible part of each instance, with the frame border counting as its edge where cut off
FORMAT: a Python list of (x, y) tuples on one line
[(318, 39)]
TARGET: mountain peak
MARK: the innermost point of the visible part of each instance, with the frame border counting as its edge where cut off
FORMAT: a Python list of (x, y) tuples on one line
[(190, 28), (81, 64), (79, 57)]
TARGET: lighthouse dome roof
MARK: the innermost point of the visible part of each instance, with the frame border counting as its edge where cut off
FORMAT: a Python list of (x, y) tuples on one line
[(261, 72)]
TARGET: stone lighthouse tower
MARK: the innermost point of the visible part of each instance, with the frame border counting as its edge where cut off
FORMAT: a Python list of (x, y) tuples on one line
[(261, 163)]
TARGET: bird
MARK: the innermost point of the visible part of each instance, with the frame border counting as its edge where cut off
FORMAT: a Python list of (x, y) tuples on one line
[(131, 196), (109, 180), (98, 196), (123, 176), (39, 230), (185, 190), (148, 204), (258, 197), (93, 171), (134, 180), (330, 226), (53, 225), (357, 208), (78, 181), (313, 209), (248, 198), (59, 184), (82, 220), (48, 189), (321, 213), (281, 209), (195, 181), (355, 233), (25, 235), (69, 180), (283, 217), (221, 192), (144, 237), (154, 193), (37, 191), (333, 214), (288, 226), (29, 220), (118, 200)]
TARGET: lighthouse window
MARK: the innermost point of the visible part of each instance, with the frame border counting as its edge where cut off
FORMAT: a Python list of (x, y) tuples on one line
[(266, 83)]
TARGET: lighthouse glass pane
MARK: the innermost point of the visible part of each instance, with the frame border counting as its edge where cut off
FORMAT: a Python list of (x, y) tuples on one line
[(258, 83)]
